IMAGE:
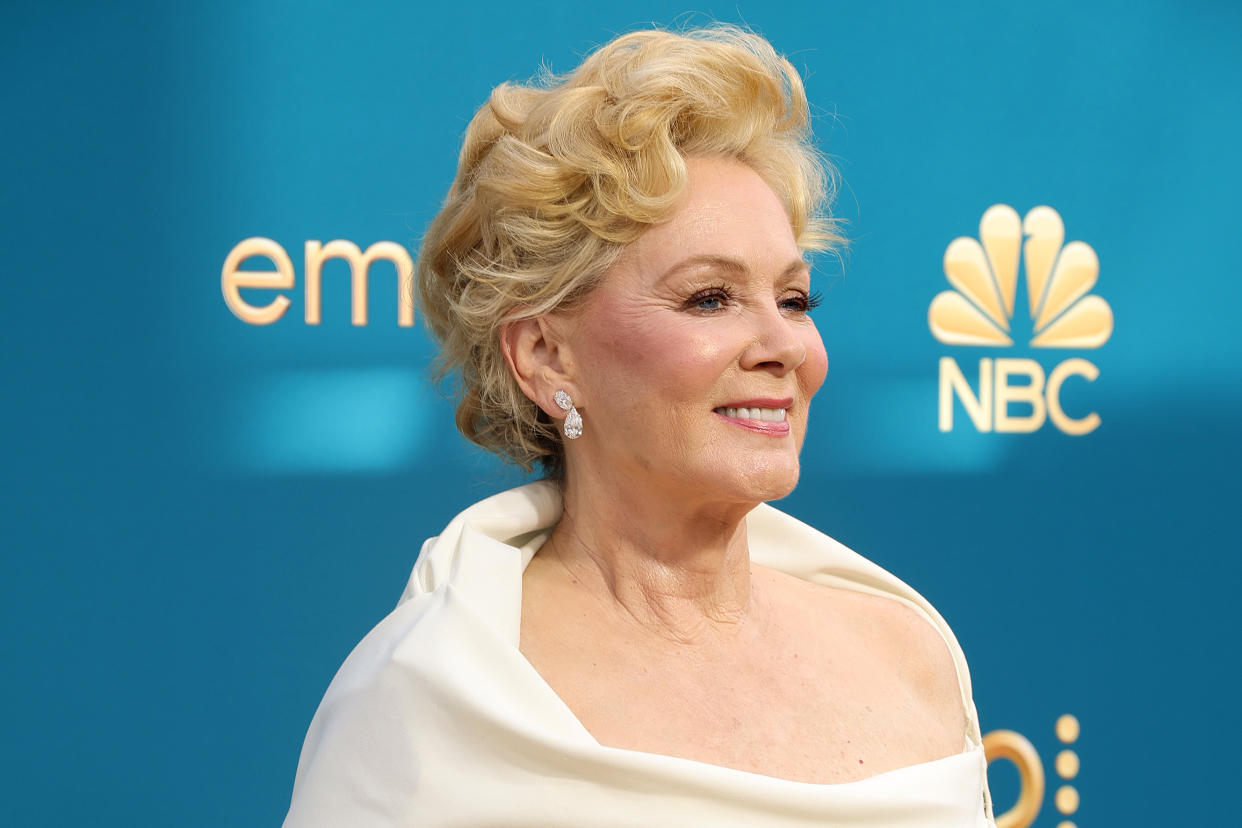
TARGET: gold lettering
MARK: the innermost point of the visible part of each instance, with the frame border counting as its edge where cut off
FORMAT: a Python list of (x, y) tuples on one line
[(1081, 368), (232, 280), (953, 381), (1008, 744), (1032, 394), (359, 264)]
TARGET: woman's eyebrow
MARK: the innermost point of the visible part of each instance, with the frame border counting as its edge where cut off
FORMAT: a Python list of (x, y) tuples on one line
[(710, 259), (797, 266), (726, 263)]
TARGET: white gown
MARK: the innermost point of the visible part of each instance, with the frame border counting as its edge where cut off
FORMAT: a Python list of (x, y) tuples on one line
[(437, 719)]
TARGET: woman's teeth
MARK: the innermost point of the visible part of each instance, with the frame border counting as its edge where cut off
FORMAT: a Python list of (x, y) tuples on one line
[(771, 415)]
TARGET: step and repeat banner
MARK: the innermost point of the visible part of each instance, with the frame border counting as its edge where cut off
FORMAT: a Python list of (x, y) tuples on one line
[(223, 452)]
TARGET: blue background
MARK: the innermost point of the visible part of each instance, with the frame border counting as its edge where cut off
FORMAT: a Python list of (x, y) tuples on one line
[(201, 517)]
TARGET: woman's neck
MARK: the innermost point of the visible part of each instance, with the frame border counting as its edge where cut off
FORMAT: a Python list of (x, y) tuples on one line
[(677, 570)]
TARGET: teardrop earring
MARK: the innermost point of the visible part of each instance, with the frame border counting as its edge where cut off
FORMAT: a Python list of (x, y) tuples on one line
[(573, 420)]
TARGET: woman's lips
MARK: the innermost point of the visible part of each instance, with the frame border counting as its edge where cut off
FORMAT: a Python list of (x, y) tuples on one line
[(765, 416)]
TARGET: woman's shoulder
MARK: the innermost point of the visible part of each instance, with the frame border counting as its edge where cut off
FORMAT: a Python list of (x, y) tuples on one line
[(896, 620), (908, 640), (887, 642), (897, 629)]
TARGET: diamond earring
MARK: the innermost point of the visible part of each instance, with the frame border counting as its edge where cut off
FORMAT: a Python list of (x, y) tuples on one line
[(573, 420)]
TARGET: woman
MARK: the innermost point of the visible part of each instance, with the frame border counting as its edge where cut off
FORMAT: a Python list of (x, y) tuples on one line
[(618, 277)]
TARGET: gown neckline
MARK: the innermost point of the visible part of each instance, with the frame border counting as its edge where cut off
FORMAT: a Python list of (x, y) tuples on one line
[(530, 548)]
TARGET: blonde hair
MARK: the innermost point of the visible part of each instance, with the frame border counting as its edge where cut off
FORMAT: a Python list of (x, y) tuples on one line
[(556, 177)]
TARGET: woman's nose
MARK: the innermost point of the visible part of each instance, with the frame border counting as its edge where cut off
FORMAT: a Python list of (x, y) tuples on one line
[(775, 345)]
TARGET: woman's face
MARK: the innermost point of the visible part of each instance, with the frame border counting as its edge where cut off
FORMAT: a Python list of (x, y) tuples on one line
[(701, 322)]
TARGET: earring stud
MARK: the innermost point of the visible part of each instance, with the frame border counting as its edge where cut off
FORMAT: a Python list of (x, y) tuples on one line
[(573, 420)]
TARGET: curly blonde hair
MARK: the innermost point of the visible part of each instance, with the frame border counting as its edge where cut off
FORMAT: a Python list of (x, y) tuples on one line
[(556, 177)]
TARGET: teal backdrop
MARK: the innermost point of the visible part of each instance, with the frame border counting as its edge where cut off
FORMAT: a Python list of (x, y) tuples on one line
[(202, 516)]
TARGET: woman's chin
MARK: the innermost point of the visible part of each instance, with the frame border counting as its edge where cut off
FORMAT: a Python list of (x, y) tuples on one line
[(781, 488), (760, 483)]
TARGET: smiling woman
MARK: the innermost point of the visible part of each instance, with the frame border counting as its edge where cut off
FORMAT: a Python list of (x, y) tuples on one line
[(706, 311), (618, 277)]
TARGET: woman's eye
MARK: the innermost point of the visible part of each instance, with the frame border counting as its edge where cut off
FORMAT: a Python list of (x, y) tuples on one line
[(709, 300), (800, 303)]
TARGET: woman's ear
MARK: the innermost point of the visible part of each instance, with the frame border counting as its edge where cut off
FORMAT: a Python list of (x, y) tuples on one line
[(536, 357)]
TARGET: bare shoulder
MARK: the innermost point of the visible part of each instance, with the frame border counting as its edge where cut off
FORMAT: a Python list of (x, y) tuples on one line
[(901, 640), (924, 653)]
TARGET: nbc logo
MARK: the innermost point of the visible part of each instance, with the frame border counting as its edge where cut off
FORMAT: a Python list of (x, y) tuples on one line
[(980, 312)]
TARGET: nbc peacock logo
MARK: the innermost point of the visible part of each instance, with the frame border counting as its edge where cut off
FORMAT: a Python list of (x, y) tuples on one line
[(980, 312)]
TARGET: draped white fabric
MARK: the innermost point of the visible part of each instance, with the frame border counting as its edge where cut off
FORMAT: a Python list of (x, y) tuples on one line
[(436, 718)]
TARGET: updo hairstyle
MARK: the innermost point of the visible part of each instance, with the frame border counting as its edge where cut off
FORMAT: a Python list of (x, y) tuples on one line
[(555, 178)]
